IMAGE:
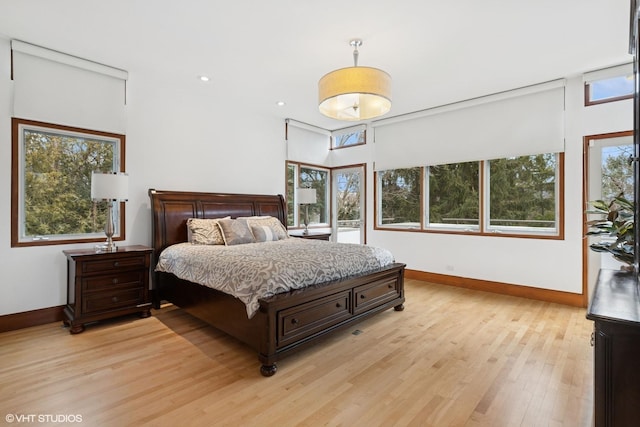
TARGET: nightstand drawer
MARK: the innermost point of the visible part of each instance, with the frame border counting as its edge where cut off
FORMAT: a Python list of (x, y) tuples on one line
[(107, 301), (116, 280), (98, 266)]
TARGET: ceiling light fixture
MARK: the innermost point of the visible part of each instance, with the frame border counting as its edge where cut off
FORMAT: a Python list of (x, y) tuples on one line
[(355, 93), (204, 78)]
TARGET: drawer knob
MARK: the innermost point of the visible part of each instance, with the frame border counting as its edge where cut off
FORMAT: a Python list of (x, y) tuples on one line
[(362, 296), (338, 305), (294, 321), (114, 299), (114, 281), (390, 286), (116, 263)]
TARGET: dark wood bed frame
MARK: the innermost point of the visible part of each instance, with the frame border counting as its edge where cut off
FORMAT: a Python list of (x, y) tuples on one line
[(285, 322)]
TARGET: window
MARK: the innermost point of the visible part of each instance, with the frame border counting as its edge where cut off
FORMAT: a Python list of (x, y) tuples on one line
[(51, 183), (399, 201), (517, 196), (349, 137), (609, 89), (292, 180), (305, 176), (454, 196), (523, 194)]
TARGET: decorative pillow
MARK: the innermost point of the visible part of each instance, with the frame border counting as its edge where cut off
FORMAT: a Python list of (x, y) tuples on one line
[(235, 232), (270, 221), (205, 231), (263, 233)]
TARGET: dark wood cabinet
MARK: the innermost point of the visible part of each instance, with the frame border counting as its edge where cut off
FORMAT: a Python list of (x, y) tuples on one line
[(101, 285), (317, 235), (615, 309)]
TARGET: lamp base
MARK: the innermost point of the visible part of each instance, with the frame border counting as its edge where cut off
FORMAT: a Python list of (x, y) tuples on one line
[(306, 219), (109, 229), (106, 247)]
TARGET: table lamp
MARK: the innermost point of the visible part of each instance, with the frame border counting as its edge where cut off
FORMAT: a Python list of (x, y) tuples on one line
[(112, 187), (306, 197)]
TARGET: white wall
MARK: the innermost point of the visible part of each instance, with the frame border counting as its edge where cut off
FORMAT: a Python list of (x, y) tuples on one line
[(180, 136)]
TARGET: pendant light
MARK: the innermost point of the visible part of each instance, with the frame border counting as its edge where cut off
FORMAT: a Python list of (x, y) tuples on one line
[(355, 93)]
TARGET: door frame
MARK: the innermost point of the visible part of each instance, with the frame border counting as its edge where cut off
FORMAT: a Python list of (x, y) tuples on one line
[(363, 200), (585, 204)]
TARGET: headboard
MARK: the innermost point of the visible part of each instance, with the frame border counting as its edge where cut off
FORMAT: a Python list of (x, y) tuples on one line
[(171, 209)]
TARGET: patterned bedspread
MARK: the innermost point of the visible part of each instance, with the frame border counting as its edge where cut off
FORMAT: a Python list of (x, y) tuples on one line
[(259, 270)]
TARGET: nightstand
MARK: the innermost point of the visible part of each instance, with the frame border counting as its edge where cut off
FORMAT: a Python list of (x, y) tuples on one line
[(317, 235), (102, 285)]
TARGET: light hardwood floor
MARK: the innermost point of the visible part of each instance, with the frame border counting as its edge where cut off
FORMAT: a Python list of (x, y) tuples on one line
[(454, 357)]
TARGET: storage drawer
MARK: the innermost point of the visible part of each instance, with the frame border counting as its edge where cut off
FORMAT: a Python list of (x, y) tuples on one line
[(137, 261), (375, 293), (108, 301), (298, 322), (127, 279)]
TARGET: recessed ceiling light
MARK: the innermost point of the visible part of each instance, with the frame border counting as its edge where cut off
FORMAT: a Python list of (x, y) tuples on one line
[(281, 103), (204, 78)]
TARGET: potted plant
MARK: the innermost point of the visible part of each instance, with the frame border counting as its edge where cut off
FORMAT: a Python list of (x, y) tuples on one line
[(617, 221)]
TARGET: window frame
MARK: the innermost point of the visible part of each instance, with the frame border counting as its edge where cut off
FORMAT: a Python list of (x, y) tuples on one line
[(17, 185), (587, 94), (442, 227), (337, 134), (398, 226), (483, 229), (520, 230), (297, 220)]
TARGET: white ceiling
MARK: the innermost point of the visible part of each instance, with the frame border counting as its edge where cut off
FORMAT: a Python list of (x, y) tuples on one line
[(262, 51)]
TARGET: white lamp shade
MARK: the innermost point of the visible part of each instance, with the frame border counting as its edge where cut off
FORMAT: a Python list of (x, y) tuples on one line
[(109, 186), (355, 93), (306, 196)]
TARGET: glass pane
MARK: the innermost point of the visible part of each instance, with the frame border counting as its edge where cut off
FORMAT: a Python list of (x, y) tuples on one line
[(617, 172), (523, 192), (454, 195), (400, 197), (291, 179), (348, 196), (614, 87), (57, 182), (610, 176), (318, 179), (347, 139)]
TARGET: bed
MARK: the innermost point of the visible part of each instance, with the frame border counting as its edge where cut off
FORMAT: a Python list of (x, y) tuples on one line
[(285, 322)]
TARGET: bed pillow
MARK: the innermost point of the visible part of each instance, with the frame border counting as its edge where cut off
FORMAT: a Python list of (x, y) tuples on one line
[(263, 233), (205, 231), (268, 221), (235, 232)]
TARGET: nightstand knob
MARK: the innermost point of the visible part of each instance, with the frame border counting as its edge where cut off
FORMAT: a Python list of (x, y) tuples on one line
[(114, 281), (116, 263), (294, 321), (338, 305), (114, 299), (362, 296)]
